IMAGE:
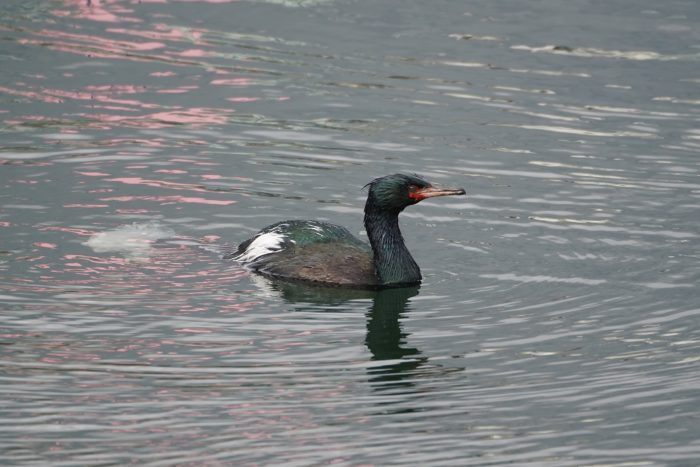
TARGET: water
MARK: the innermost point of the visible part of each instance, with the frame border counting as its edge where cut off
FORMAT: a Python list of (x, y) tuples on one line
[(557, 323)]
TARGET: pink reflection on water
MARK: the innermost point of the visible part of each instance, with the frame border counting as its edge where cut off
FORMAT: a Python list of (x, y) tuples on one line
[(45, 245), (97, 95), (101, 96), (93, 174), (116, 142), (233, 82), (195, 330), (171, 171), (242, 99), (97, 259), (171, 200), (145, 285), (193, 116), (105, 47), (198, 53), (164, 32), (108, 106), (92, 45), (97, 10), (31, 94), (178, 90), (73, 230), (157, 183)]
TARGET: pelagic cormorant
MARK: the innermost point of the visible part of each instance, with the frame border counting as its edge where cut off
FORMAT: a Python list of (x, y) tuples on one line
[(329, 254)]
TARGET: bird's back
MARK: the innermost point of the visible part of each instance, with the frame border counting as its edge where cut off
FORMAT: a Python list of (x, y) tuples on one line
[(310, 251)]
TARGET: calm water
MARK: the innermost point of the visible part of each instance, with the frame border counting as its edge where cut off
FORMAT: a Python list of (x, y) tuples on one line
[(558, 322)]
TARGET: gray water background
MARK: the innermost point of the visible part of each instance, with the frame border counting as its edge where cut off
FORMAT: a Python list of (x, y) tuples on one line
[(557, 323)]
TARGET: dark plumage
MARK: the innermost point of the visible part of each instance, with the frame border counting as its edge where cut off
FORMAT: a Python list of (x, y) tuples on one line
[(328, 254)]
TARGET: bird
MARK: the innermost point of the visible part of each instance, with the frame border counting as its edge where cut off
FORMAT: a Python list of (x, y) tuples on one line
[(326, 254)]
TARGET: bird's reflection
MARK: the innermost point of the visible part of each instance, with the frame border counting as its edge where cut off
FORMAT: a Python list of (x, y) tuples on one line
[(385, 339)]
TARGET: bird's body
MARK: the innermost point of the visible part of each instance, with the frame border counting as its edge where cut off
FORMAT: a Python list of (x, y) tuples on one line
[(329, 254), (310, 251)]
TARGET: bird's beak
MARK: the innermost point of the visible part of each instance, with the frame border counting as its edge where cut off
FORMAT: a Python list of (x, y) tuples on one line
[(433, 191)]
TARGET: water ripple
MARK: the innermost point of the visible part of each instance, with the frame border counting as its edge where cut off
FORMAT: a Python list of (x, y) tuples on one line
[(556, 322)]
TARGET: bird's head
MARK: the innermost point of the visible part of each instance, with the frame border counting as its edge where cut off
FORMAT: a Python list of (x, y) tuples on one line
[(396, 192)]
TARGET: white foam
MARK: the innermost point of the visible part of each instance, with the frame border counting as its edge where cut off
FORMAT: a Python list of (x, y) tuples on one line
[(133, 241), (264, 244)]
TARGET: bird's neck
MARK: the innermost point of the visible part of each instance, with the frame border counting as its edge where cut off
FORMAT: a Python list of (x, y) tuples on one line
[(393, 263)]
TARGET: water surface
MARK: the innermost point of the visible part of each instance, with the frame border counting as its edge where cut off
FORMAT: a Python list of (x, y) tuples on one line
[(557, 323)]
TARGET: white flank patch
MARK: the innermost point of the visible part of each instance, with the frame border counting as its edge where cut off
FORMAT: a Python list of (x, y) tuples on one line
[(264, 244), (133, 241)]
